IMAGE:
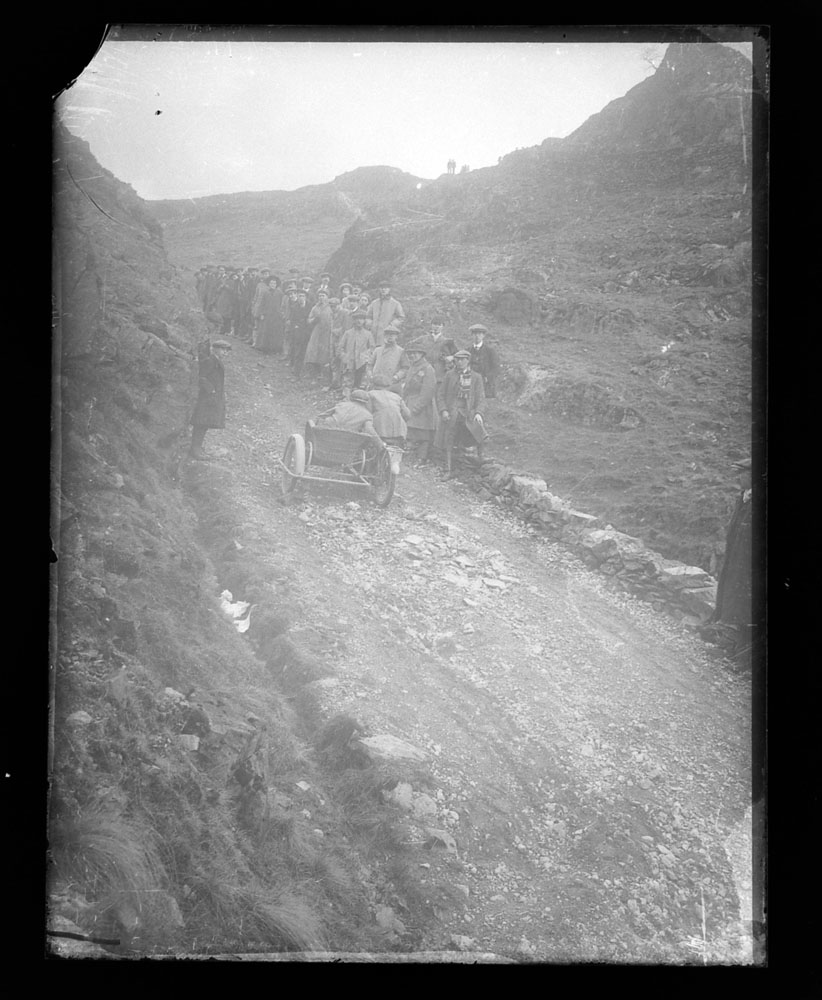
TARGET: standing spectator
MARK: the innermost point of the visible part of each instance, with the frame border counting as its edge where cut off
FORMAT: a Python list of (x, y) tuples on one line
[(337, 330), (320, 321), (289, 302), (439, 349), (388, 364), (356, 346), (348, 303), (299, 332), (384, 310), (419, 392), (484, 359), (210, 285), (460, 401), (226, 305), (310, 296), (248, 288), (268, 318), (209, 411)]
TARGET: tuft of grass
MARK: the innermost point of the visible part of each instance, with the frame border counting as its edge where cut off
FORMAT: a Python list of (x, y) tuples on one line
[(111, 862)]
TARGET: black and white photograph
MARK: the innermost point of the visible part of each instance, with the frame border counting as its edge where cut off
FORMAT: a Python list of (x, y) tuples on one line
[(407, 459)]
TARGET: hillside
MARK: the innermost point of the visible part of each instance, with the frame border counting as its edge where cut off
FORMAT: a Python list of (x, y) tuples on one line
[(613, 268), (280, 229)]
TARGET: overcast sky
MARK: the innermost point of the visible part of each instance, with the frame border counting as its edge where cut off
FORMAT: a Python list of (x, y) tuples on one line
[(187, 119)]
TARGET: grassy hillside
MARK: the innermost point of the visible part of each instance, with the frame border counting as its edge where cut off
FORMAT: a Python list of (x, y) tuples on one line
[(175, 757)]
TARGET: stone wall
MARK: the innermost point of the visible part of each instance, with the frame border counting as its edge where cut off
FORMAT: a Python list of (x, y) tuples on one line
[(687, 591)]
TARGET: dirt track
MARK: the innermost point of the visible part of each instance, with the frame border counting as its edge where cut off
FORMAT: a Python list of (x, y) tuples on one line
[(595, 756)]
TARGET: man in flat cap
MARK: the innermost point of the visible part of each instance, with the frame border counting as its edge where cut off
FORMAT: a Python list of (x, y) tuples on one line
[(209, 410), (388, 364), (461, 401), (307, 285), (419, 393), (384, 310), (355, 350), (484, 359), (439, 349)]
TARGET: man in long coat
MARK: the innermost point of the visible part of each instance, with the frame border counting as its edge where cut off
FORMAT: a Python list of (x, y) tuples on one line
[(268, 318), (209, 410), (384, 310), (320, 321), (389, 363), (419, 393), (356, 348), (460, 401), (298, 331), (226, 305)]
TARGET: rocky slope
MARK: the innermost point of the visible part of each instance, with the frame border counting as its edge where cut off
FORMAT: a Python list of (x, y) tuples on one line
[(176, 765)]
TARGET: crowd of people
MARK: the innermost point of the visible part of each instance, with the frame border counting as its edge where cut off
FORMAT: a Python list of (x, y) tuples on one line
[(426, 394)]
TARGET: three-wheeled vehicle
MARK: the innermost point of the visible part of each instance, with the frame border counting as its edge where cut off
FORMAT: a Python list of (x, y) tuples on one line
[(333, 455)]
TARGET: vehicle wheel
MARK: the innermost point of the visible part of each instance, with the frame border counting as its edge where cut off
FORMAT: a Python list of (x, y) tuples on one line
[(294, 462), (384, 480)]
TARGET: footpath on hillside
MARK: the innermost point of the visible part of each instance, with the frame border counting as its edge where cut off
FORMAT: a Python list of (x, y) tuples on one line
[(584, 765)]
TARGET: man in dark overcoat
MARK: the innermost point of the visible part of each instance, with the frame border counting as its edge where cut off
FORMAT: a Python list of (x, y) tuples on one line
[(209, 411)]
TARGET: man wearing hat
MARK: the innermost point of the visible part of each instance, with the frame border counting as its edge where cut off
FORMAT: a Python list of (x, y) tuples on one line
[(384, 310), (310, 296), (419, 393), (355, 349), (209, 411), (298, 331), (248, 291), (439, 349), (388, 363), (227, 303), (269, 328), (484, 359), (460, 401), (289, 301)]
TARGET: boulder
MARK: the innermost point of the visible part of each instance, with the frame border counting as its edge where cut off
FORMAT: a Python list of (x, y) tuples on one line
[(392, 748), (424, 807), (678, 576), (520, 483)]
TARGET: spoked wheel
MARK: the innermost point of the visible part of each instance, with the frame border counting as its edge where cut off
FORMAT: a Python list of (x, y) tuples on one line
[(294, 462), (384, 480)]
